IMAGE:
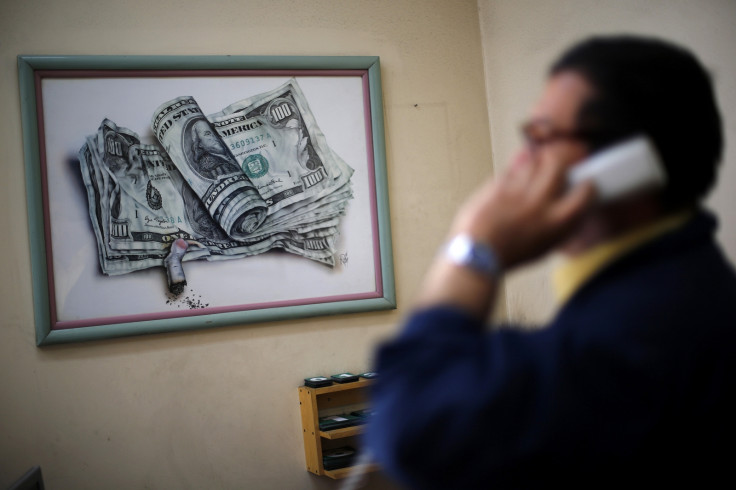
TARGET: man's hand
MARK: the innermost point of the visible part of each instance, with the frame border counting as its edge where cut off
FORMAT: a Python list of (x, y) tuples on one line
[(526, 211), (520, 215)]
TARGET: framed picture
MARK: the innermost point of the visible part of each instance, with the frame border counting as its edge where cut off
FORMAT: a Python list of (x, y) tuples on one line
[(170, 193)]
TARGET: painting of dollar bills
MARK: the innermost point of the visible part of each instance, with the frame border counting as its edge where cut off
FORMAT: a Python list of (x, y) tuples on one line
[(170, 193)]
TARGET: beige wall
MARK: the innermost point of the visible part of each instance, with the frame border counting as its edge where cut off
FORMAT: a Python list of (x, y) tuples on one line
[(219, 408), (522, 37)]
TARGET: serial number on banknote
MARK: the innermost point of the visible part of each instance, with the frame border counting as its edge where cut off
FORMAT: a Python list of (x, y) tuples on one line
[(249, 141)]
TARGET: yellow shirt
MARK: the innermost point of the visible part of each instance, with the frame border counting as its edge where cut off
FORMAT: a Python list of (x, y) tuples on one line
[(573, 272)]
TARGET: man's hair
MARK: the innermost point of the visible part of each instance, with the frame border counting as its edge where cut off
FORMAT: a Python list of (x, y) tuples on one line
[(649, 86)]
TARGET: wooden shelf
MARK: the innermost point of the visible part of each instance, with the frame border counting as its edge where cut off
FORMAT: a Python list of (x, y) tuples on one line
[(344, 472), (335, 387), (333, 397), (353, 430)]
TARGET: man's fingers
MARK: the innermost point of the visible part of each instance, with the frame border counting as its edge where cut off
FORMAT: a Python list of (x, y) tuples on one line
[(573, 203), (550, 178), (518, 173), (521, 158)]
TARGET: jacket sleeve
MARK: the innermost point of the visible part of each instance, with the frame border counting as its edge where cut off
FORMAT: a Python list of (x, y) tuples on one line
[(461, 407)]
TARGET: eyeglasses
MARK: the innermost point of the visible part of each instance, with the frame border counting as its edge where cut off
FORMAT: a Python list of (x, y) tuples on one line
[(539, 133)]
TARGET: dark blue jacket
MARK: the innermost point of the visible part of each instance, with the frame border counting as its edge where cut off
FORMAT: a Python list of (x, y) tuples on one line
[(631, 384)]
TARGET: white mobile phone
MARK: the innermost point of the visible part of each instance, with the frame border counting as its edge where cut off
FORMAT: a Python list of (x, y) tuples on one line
[(618, 171)]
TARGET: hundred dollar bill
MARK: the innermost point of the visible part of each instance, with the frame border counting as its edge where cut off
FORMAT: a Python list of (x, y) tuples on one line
[(147, 246), (277, 142), (184, 210), (138, 220), (327, 207), (285, 189), (134, 215), (191, 220), (170, 203), (208, 167), (205, 230), (99, 191)]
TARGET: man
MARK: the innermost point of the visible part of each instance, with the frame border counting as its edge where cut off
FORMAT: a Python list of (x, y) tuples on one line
[(632, 383)]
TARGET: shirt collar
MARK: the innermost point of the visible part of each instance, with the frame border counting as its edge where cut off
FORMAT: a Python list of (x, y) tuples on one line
[(572, 272)]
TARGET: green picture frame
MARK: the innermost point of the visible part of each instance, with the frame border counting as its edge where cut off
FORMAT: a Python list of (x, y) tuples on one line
[(38, 75)]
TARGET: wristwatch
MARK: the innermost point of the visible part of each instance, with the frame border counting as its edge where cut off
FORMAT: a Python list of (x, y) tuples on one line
[(464, 251)]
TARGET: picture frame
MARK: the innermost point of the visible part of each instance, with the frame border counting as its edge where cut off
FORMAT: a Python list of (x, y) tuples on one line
[(64, 98)]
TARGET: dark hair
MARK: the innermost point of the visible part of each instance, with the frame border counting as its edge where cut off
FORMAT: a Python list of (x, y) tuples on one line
[(650, 86)]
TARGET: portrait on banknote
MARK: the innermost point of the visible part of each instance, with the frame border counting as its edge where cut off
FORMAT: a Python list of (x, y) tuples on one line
[(204, 152), (207, 198)]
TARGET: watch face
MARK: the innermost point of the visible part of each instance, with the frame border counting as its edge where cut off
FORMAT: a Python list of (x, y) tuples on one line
[(463, 251), (460, 249)]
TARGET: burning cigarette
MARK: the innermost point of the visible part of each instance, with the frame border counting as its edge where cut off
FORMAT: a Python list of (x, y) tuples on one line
[(174, 269)]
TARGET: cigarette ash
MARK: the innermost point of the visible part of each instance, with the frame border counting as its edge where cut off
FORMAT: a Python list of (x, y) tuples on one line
[(192, 301)]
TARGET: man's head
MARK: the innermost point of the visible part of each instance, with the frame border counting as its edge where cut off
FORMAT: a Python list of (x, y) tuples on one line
[(643, 85)]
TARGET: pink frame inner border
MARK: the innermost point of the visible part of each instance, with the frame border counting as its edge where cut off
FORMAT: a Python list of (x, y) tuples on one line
[(61, 325)]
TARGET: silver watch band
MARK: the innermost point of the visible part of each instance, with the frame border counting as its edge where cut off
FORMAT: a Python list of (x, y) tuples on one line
[(464, 251)]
